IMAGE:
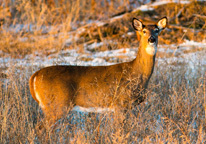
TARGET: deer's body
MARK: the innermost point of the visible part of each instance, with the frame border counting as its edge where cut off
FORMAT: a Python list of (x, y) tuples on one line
[(56, 88)]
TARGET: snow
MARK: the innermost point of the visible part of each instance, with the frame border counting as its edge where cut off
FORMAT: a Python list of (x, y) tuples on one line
[(116, 18), (94, 45), (193, 43), (92, 109), (150, 6), (190, 53), (162, 2), (144, 8)]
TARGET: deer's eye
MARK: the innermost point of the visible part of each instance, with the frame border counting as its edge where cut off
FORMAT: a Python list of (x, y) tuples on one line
[(144, 31)]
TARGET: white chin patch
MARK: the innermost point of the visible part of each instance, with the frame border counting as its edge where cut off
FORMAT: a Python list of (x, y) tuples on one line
[(151, 49)]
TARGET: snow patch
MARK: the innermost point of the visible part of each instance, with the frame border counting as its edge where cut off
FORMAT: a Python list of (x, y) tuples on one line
[(92, 109), (193, 43), (189, 53), (144, 8)]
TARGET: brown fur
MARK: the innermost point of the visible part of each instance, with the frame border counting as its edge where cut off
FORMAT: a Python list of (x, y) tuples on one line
[(117, 86)]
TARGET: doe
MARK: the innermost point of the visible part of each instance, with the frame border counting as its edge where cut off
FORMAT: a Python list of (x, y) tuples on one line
[(120, 86)]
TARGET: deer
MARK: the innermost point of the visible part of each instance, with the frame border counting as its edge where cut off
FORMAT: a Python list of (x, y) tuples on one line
[(119, 86)]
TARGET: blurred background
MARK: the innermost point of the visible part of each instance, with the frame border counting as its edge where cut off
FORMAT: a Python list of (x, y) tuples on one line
[(29, 25)]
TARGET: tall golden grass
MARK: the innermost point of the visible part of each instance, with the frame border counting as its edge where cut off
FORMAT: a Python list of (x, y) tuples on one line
[(40, 25), (175, 109), (174, 112)]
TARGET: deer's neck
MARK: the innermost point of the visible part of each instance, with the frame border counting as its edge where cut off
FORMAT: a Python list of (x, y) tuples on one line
[(145, 60)]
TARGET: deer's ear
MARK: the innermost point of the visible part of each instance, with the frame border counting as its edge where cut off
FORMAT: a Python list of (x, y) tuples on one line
[(137, 24), (162, 23)]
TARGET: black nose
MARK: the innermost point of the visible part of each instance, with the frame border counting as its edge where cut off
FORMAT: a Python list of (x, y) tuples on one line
[(151, 39)]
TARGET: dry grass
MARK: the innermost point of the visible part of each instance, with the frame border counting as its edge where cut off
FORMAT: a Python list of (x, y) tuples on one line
[(175, 109), (28, 26), (174, 112)]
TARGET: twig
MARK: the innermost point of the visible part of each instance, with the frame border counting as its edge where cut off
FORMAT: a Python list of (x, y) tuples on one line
[(200, 16), (185, 28), (177, 15), (173, 54)]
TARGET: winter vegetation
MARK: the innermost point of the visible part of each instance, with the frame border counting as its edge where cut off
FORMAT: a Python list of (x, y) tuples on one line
[(40, 33)]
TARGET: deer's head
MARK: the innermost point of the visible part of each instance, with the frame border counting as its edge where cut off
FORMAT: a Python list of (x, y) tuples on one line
[(149, 34)]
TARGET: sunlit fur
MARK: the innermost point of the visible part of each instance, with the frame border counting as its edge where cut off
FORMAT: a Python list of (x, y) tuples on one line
[(120, 86)]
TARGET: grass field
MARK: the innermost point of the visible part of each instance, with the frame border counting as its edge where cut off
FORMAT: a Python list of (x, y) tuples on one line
[(175, 108)]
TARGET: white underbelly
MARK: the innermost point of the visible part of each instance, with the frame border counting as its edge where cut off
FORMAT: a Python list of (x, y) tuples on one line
[(92, 109)]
